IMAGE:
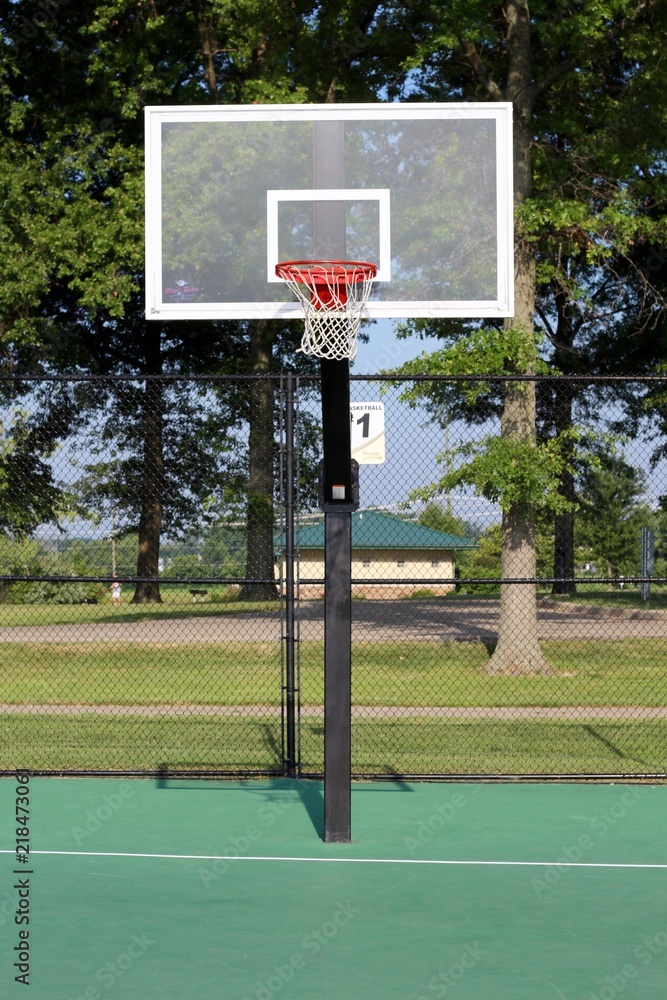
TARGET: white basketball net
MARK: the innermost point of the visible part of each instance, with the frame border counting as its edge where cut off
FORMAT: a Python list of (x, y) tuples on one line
[(333, 296)]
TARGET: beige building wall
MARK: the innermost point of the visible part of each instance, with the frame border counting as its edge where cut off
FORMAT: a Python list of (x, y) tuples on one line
[(373, 564)]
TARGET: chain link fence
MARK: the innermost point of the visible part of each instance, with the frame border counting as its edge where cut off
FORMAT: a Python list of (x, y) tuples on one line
[(158, 615), (141, 616)]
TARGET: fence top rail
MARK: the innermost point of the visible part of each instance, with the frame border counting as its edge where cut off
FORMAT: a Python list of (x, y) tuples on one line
[(505, 378), (279, 377), (658, 581), (167, 377)]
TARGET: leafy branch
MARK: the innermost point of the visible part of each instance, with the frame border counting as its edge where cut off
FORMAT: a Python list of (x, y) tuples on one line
[(513, 473), (484, 352)]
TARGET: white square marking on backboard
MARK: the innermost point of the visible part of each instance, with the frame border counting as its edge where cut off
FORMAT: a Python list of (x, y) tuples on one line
[(381, 195)]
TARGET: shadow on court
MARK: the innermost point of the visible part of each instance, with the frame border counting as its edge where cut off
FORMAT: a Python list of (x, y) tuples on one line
[(310, 793)]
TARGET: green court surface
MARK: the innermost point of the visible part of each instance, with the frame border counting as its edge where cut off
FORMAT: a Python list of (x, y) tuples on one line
[(184, 889)]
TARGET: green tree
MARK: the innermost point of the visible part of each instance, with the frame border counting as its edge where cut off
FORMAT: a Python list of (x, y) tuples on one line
[(72, 90), (567, 69), (485, 560), (29, 558), (612, 514), (434, 515), (223, 550)]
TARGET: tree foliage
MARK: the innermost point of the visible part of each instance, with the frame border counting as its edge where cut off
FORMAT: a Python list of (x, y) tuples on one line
[(612, 513), (587, 82), (507, 472)]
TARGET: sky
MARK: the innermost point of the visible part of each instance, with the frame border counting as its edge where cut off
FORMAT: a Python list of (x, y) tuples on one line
[(384, 350)]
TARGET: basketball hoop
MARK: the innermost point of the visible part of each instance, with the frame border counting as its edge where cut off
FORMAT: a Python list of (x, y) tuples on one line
[(333, 294)]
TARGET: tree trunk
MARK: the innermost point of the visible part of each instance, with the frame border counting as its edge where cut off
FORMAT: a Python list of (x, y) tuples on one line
[(518, 649), (152, 486), (207, 54), (260, 563), (564, 523)]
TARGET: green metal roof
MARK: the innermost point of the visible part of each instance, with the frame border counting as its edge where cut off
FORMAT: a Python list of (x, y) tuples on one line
[(372, 529)]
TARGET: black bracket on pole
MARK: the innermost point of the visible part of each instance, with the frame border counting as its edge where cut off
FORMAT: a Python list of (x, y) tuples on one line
[(339, 506)]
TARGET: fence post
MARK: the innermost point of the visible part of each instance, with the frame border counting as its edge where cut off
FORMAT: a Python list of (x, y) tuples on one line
[(290, 762), (648, 555)]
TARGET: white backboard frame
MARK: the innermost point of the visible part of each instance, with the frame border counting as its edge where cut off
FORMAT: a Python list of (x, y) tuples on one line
[(501, 113)]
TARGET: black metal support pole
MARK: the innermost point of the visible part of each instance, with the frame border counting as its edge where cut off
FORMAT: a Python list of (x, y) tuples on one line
[(290, 763), (337, 474), (329, 242), (336, 444), (337, 678)]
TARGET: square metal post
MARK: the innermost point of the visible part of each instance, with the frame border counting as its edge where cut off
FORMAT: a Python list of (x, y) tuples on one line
[(328, 243), (648, 557), (290, 638), (337, 677)]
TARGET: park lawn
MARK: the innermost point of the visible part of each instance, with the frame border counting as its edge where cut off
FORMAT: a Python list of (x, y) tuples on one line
[(588, 673), (175, 605), (629, 598), (140, 673), (407, 746), (103, 743), (419, 746)]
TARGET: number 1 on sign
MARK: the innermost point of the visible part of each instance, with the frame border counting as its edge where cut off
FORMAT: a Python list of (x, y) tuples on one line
[(365, 421)]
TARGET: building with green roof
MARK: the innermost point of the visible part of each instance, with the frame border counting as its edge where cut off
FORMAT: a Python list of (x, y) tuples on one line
[(384, 547)]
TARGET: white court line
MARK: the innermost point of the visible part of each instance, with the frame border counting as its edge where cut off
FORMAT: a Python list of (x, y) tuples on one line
[(363, 861)]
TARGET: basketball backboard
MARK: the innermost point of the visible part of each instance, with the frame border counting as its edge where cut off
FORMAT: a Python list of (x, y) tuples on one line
[(424, 191)]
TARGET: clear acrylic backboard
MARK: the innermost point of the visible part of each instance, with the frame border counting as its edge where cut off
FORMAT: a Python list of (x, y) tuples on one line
[(424, 191)]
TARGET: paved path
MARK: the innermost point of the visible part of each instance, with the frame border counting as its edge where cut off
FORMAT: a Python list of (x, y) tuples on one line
[(472, 620), (564, 713)]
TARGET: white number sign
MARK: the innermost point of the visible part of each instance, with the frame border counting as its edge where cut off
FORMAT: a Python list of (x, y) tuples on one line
[(367, 433)]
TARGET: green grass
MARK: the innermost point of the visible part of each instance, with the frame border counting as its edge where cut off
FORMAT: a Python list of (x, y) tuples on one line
[(403, 746), (428, 747), (140, 673), (174, 605), (629, 597), (623, 672), (100, 744), (177, 603), (393, 674)]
